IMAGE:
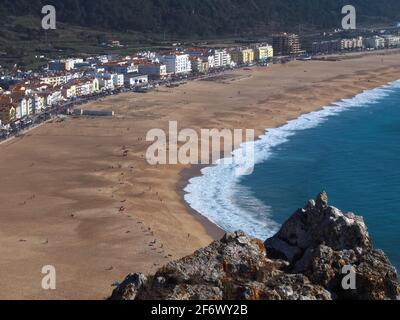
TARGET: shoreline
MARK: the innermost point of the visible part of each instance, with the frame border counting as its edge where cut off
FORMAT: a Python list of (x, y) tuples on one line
[(211, 228), (71, 199), (197, 173)]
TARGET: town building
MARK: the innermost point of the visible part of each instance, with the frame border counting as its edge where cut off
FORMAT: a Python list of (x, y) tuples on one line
[(285, 44), (118, 80), (39, 103), (86, 87), (328, 46), (202, 59), (155, 70), (374, 42), (391, 41), (243, 56), (176, 63), (7, 110), (52, 96), (122, 67), (20, 97), (222, 58), (55, 79), (200, 65), (263, 52), (63, 64), (211, 61), (106, 81), (69, 91), (352, 44), (137, 80)]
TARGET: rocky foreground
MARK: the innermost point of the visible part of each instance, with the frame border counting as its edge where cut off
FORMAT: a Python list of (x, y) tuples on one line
[(319, 254)]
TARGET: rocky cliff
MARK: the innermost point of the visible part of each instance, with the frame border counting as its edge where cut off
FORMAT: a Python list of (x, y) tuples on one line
[(319, 254)]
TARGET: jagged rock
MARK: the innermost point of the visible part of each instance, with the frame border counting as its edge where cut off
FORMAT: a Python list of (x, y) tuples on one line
[(304, 261), (376, 278), (322, 201), (280, 248), (128, 288), (319, 224), (236, 267), (319, 241)]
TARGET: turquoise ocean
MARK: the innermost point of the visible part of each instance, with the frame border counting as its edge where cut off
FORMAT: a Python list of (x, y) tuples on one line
[(351, 149)]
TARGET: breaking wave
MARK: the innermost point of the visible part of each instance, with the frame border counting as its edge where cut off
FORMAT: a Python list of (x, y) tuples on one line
[(218, 195)]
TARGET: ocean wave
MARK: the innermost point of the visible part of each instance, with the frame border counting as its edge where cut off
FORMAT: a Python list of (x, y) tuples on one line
[(217, 193)]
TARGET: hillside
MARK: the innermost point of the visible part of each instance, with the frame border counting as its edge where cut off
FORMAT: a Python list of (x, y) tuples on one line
[(84, 25), (204, 17)]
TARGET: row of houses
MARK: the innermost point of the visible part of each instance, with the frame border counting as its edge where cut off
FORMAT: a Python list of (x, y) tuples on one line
[(164, 64), (198, 60), (202, 60), (33, 96), (375, 42), (67, 79), (386, 41)]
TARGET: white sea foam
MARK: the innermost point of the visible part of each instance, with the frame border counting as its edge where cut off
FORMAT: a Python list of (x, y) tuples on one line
[(217, 193)]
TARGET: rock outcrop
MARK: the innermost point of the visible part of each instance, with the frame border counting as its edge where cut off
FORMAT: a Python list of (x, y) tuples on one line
[(313, 255)]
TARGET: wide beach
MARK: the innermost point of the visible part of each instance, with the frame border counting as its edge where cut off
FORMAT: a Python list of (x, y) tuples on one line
[(79, 194)]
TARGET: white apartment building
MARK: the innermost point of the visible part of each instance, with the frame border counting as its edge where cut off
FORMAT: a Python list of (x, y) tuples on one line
[(39, 103), (122, 67), (176, 63), (110, 81), (222, 58), (60, 78), (211, 61), (154, 70), (106, 82), (392, 41), (18, 112), (137, 80), (86, 87), (24, 107), (375, 42), (351, 44), (118, 79), (53, 97), (54, 80)]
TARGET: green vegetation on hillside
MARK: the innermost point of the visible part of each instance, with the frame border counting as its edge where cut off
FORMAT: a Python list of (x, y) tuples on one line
[(204, 17), (83, 25)]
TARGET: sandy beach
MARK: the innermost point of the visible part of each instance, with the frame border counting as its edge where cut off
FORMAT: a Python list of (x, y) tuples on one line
[(79, 194)]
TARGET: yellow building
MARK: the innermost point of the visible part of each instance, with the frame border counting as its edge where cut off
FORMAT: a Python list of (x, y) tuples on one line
[(248, 56), (69, 91), (264, 52), (243, 56)]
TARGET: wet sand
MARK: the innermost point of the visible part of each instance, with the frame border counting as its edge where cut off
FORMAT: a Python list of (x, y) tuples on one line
[(79, 194)]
